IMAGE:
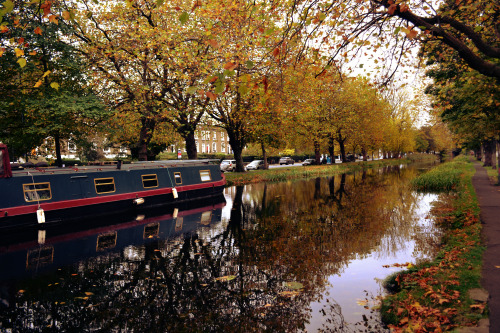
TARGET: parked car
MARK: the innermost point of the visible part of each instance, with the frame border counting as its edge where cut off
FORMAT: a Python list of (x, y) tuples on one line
[(309, 161), (286, 160), (350, 158), (255, 165), (228, 165)]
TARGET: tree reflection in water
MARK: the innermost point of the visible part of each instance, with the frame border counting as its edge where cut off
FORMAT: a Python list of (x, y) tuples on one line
[(258, 271)]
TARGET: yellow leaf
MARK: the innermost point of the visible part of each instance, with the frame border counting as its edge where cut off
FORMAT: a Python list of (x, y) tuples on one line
[(3, 28), (19, 52), (88, 293), (21, 62), (55, 85), (38, 84), (46, 73), (66, 15)]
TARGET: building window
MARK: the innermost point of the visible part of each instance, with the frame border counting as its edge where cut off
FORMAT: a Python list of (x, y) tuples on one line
[(222, 147), (202, 147), (196, 135), (178, 178), (37, 192), (104, 185), (205, 175), (205, 135), (71, 146), (149, 181), (197, 147), (215, 135), (214, 147), (107, 150), (222, 136)]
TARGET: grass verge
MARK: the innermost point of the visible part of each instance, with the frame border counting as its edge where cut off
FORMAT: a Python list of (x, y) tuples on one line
[(433, 296), (310, 171), (493, 175)]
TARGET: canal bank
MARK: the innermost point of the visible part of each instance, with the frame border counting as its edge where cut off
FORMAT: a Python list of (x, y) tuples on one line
[(489, 201)]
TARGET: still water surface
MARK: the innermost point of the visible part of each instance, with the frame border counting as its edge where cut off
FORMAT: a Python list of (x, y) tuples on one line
[(306, 255)]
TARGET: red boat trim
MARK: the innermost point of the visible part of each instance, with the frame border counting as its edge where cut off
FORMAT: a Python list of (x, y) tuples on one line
[(50, 206)]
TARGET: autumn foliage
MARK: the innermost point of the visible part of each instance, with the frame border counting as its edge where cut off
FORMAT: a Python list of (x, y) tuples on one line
[(432, 297)]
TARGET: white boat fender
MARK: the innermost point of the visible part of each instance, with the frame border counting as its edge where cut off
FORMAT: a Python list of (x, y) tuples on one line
[(40, 215), (139, 201), (176, 212), (174, 192), (41, 236)]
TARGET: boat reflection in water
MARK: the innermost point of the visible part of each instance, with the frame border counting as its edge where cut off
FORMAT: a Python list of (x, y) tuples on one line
[(33, 251)]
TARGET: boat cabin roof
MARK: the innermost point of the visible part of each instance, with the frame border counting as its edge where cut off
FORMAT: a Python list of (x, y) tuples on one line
[(113, 167)]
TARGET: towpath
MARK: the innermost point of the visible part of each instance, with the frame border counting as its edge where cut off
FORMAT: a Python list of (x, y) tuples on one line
[(489, 202)]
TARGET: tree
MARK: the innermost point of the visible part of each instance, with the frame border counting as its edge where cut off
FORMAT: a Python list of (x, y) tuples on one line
[(150, 58), (59, 104)]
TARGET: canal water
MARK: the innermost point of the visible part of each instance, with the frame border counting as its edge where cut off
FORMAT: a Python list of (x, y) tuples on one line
[(298, 256)]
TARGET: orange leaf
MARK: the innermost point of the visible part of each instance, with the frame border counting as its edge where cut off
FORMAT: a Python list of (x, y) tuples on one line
[(412, 34), (38, 31), (392, 9), (20, 40), (403, 8), (38, 84), (3, 28), (211, 95), (53, 19), (66, 15), (276, 52), (230, 66), (213, 43), (33, 53)]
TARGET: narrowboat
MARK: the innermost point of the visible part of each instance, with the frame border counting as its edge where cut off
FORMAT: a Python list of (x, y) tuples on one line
[(48, 195)]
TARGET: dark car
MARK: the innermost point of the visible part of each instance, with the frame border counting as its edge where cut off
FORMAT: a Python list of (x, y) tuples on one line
[(286, 160)]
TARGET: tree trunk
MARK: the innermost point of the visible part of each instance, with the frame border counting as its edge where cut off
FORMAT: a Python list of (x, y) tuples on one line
[(331, 149), (57, 141), (264, 155), (489, 150), (477, 152), (342, 151), (363, 152), (145, 135), (237, 147), (191, 150), (317, 155)]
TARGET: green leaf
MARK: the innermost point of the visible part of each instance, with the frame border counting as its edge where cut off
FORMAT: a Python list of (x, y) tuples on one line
[(160, 2), (361, 66), (191, 90), (55, 85), (322, 16), (8, 6), (294, 285), (243, 89), (249, 64), (396, 31), (219, 88), (184, 17), (22, 62)]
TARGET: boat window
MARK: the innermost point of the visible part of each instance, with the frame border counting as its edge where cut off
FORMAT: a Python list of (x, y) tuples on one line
[(205, 175), (104, 185), (40, 257), (178, 178), (37, 192), (149, 181), (106, 241)]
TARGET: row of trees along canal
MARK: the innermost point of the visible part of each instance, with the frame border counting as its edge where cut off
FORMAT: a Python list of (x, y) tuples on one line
[(150, 72)]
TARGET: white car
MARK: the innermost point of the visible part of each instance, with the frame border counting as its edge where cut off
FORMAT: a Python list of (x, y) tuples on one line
[(228, 165), (255, 165)]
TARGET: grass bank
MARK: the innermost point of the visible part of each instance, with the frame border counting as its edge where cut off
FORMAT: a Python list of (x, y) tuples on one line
[(310, 171), (433, 296)]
